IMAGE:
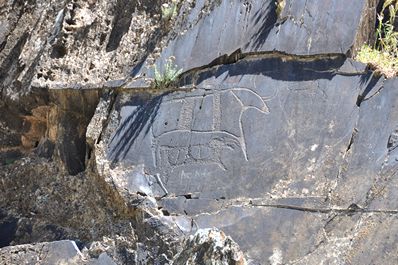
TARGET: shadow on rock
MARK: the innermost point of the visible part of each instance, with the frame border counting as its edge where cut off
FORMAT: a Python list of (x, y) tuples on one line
[(131, 127), (278, 68)]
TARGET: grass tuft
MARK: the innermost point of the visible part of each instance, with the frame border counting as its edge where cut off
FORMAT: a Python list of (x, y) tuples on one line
[(382, 62), (168, 76), (169, 10), (383, 57)]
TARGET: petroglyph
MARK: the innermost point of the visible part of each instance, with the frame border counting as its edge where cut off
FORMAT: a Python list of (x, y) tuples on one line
[(204, 133), (194, 147)]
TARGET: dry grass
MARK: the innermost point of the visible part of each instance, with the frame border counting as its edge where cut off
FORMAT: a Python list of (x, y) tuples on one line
[(383, 57), (382, 62), (166, 78)]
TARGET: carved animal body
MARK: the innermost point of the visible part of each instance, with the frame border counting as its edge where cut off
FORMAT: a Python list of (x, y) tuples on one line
[(204, 133)]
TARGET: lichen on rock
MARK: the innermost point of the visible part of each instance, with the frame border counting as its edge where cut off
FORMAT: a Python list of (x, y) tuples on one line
[(271, 145), (210, 247)]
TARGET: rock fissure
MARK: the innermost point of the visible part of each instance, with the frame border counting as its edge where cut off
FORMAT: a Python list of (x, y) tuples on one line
[(352, 209), (128, 83), (269, 134)]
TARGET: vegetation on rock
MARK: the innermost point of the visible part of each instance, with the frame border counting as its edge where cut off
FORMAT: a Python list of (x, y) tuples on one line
[(164, 79), (383, 56), (280, 5), (169, 10)]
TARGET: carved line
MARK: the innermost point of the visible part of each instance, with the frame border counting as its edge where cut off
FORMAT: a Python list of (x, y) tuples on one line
[(200, 132), (216, 111), (186, 118), (242, 138), (255, 94), (186, 114)]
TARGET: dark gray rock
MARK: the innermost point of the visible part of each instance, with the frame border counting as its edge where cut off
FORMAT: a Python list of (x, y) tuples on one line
[(8, 227), (273, 135), (265, 146), (308, 27), (371, 162), (302, 28), (264, 232), (205, 140)]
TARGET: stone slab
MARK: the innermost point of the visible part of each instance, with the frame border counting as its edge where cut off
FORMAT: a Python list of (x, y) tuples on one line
[(302, 28), (245, 129)]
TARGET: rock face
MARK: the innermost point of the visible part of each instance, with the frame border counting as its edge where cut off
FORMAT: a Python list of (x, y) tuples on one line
[(50, 253), (245, 27), (273, 134), (210, 247), (57, 252), (203, 141)]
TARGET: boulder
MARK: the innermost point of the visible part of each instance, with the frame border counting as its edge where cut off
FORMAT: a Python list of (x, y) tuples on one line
[(210, 246)]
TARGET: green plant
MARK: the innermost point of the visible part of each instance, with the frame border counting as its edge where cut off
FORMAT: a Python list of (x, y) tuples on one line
[(386, 37), (383, 56), (169, 10), (167, 77), (379, 61), (280, 5)]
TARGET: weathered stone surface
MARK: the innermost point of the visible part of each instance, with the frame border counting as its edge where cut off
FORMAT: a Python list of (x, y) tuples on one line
[(348, 239), (51, 253), (308, 27), (22, 125), (39, 204), (209, 246), (302, 28), (299, 168), (54, 128), (46, 253), (68, 118), (371, 161), (72, 43), (265, 232), (204, 141), (48, 205), (274, 135), (76, 44)]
